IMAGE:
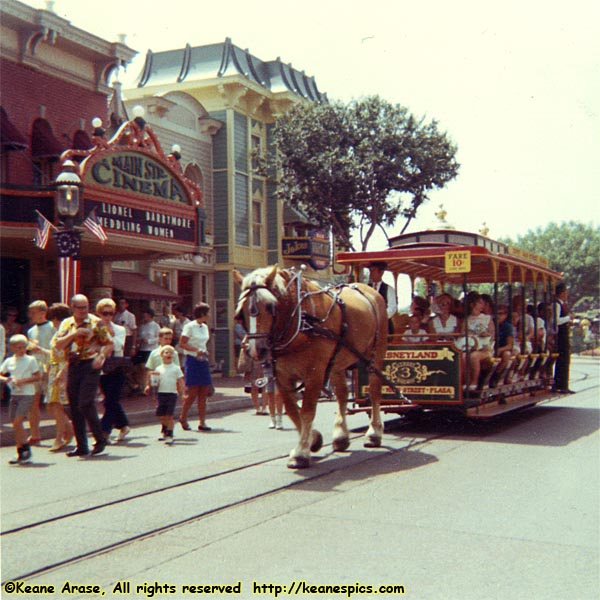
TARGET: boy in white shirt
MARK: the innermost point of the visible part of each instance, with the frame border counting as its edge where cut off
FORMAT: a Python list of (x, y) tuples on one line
[(21, 372), (170, 386)]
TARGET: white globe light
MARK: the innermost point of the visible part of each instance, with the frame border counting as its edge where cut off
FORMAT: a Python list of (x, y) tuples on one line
[(176, 148), (138, 111), (96, 122)]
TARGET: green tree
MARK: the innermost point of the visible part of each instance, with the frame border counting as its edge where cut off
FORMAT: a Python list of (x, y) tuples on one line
[(360, 165), (573, 248)]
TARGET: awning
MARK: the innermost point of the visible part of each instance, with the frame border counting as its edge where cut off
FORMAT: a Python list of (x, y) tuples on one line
[(10, 137), (81, 140), (137, 287), (43, 142), (294, 215)]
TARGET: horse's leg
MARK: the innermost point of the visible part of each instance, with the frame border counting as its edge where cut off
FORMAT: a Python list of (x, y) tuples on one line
[(310, 439), (341, 437), (375, 431)]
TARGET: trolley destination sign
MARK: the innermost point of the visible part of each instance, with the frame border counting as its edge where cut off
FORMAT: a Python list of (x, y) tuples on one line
[(424, 372)]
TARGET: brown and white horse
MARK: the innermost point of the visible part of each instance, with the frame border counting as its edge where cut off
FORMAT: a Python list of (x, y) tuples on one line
[(310, 334)]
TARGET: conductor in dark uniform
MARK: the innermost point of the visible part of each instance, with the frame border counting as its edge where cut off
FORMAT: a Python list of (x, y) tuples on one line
[(563, 321), (376, 270)]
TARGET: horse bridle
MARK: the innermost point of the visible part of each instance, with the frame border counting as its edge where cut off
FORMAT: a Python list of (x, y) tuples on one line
[(250, 294)]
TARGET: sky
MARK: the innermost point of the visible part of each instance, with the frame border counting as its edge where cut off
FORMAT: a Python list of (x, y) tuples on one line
[(515, 85)]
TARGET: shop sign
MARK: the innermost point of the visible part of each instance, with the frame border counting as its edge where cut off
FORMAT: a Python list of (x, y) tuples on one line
[(135, 172), (314, 248), (147, 222), (320, 249)]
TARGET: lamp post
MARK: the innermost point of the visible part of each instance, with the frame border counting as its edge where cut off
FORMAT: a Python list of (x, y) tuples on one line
[(68, 240)]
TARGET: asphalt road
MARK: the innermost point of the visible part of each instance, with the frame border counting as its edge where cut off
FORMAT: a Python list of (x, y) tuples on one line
[(445, 509)]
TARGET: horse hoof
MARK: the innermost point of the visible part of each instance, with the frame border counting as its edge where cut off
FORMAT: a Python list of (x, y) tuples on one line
[(341, 444), (372, 442), (298, 462), (317, 441)]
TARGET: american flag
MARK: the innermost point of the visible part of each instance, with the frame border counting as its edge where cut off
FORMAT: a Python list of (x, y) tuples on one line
[(42, 235), (93, 225)]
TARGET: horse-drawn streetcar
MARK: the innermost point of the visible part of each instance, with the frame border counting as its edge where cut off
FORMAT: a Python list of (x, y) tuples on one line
[(464, 369)]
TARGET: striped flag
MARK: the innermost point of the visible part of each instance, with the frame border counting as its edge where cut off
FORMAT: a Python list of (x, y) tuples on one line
[(42, 235), (94, 226)]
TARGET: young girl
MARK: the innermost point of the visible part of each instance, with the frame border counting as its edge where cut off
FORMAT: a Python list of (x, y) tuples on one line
[(21, 372), (415, 334), (170, 385)]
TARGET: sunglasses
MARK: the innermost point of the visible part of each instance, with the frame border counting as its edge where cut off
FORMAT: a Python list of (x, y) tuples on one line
[(107, 313)]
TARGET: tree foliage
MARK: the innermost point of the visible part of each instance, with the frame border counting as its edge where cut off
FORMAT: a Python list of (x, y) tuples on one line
[(573, 248), (360, 165)]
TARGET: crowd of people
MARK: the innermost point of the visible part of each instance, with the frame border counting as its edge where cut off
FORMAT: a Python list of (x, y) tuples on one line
[(72, 355), (540, 328)]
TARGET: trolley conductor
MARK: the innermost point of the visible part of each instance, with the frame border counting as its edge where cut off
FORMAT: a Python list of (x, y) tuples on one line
[(376, 270)]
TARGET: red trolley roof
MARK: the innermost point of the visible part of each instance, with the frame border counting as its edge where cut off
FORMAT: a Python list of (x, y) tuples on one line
[(426, 254)]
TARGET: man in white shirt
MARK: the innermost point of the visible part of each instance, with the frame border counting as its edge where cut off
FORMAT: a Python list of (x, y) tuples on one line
[(127, 319)]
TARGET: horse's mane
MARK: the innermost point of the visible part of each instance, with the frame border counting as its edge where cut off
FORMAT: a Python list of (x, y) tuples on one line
[(260, 279)]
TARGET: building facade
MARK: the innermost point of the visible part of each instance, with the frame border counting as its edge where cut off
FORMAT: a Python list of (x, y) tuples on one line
[(172, 173), (242, 96)]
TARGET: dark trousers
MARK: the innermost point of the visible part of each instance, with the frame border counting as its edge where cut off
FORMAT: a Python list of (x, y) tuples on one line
[(561, 369), (82, 385), (112, 388)]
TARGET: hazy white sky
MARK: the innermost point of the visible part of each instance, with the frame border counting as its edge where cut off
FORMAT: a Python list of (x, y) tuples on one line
[(515, 84)]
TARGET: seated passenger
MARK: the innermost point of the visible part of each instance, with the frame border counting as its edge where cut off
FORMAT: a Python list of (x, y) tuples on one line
[(488, 305), (545, 314), (415, 333), (418, 304), (444, 322), (506, 337), (539, 331), (522, 330), (481, 327)]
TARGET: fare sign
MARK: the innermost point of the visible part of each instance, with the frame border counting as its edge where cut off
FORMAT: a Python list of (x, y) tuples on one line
[(458, 261)]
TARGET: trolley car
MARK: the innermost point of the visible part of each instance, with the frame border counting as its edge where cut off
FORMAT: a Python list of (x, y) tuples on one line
[(431, 375)]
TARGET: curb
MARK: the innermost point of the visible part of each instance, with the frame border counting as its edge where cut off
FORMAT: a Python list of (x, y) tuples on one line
[(140, 416)]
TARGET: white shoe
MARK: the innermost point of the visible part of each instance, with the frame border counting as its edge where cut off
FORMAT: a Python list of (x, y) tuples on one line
[(123, 433), (272, 424), (278, 422), (169, 440)]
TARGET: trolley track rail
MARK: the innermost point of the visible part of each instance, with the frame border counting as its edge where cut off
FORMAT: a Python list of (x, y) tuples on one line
[(20, 536)]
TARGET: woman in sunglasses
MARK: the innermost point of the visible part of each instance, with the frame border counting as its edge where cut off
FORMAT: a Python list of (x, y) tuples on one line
[(112, 379)]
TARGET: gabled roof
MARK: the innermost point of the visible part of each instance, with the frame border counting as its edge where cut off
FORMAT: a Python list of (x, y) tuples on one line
[(223, 60)]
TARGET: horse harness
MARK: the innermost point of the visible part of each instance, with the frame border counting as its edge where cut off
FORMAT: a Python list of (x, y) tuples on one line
[(311, 325)]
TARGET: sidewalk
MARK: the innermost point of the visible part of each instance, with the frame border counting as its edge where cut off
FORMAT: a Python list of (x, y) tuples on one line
[(229, 395)]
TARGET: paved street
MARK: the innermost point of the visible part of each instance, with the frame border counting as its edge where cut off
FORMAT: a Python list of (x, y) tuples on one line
[(445, 510)]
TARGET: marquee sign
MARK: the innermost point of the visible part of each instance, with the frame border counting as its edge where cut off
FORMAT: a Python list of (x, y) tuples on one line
[(131, 171), (150, 222)]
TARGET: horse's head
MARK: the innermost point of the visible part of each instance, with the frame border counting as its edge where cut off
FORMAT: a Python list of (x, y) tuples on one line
[(257, 305)]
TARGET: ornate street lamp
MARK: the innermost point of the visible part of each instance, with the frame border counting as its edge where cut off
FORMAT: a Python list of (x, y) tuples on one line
[(68, 241), (68, 184)]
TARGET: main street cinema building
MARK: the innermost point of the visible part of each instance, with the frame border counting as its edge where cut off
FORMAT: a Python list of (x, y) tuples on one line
[(178, 222)]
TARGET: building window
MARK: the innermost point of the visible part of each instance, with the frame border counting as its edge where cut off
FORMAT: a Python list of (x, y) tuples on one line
[(43, 172), (163, 278), (257, 153), (257, 223), (204, 289)]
